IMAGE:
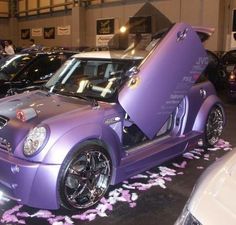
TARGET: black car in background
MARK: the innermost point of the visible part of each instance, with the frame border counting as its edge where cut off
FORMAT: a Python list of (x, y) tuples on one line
[(228, 61), (28, 71), (10, 65), (214, 71)]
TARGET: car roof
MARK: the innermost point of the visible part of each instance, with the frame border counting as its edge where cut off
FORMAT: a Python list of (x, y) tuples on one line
[(41, 52), (114, 54)]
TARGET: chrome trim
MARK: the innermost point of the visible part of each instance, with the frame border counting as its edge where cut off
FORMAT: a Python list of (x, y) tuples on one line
[(3, 121), (6, 198), (5, 145)]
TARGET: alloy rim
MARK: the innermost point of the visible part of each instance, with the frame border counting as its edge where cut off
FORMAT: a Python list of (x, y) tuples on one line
[(214, 126), (87, 179)]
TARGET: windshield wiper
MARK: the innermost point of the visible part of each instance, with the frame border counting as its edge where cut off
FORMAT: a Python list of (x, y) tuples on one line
[(86, 98), (93, 101)]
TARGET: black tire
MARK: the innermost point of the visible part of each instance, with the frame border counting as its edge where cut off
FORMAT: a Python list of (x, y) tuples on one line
[(214, 126), (84, 177)]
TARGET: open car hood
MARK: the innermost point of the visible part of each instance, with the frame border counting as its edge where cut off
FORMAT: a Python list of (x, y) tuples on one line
[(163, 79)]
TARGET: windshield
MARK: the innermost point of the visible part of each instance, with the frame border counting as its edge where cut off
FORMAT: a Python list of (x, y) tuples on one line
[(95, 78), (12, 64)]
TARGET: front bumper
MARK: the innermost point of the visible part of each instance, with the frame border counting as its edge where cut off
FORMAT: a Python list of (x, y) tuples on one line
[(29, 183)]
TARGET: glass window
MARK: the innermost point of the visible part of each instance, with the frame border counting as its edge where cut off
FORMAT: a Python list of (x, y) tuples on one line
[(11, 65), (42, 67), (95, 78)]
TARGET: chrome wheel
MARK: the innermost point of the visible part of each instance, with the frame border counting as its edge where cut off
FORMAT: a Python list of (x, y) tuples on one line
[(214, 126), (86, 178)]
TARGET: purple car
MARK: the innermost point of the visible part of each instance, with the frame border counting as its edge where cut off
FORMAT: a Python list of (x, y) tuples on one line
[(104, 117)]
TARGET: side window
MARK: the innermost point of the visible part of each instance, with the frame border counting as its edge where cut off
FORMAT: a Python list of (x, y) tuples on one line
[(229, 58), (54, 62), (42, 68)]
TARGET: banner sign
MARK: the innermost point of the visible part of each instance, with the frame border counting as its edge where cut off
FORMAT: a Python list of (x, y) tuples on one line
[(37, 32), (103, 40), (140, 25), (63, 30), (233, 33), (105, 26), (49, 33), (105, 31), (25, 34)]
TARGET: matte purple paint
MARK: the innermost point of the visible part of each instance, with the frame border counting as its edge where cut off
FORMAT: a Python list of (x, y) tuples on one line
[(164, 79), (168, 78)]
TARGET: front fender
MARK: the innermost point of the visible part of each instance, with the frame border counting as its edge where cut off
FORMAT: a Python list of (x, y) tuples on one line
[(71, 141), (201, 119)]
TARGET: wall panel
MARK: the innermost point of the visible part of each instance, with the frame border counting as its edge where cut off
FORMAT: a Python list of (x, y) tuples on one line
[(4, 31), (52, 21), (4, 9), (196, 12)]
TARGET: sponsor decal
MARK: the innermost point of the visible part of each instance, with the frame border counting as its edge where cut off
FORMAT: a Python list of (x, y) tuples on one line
[(64, 30)]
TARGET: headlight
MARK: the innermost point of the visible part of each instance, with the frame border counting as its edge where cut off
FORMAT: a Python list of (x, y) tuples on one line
[(35, 140)]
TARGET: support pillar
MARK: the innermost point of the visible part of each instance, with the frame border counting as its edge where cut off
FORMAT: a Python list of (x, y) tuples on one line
[(78, 26)]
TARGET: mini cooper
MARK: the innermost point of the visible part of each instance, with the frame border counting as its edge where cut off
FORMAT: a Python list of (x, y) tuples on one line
[(104, 117)]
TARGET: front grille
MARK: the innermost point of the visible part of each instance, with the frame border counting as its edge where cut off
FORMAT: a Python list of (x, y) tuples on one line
[(5, 145), (3, 121)]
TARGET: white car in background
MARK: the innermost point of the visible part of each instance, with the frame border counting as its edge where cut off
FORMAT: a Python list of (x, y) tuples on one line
[(213, 200)]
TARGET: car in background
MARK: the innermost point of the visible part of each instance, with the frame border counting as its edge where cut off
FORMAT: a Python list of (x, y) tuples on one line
[(212, 201), (228, 62), (23, 72), (10, 65), (104, 117), (214, 71)]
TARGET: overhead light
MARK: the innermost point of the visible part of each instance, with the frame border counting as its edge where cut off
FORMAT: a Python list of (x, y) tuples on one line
[(123, 29)]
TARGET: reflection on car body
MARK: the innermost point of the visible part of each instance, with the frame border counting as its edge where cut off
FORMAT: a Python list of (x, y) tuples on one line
[(215, 190), (98, 121)]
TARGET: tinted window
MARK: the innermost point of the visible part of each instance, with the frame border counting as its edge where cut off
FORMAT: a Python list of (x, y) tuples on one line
[(229, 58), (11, 65), (42, 67)]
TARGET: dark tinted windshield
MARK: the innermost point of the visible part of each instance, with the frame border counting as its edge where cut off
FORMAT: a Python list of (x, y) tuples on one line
[(42, 67), (97, 78), (12, 64)]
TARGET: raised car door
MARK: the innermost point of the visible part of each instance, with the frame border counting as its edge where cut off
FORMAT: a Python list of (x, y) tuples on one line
[(163, 79)]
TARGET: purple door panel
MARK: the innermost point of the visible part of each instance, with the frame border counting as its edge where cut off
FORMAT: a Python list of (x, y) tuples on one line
[(163, 79)]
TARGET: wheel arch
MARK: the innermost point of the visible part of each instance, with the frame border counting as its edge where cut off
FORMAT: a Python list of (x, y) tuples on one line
[(70, 142), (202, 115), (84, 147)]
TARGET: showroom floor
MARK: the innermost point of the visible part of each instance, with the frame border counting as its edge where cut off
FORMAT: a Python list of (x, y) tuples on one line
[(154, 197)]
